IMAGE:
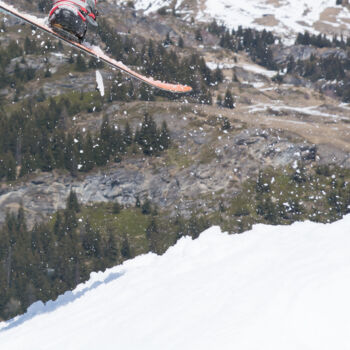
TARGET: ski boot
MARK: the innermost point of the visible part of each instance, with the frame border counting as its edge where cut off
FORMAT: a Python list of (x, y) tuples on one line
[(69, 18)]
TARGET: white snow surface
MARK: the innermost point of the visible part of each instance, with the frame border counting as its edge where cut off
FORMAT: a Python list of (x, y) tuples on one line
[(289, 12), (99, 82), (272, 288), (309, 110), (249, 67), (153, 5), (291, 16)]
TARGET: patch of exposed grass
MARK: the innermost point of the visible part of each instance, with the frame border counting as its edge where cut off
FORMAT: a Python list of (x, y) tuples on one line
[(175, 157), (130, 222)]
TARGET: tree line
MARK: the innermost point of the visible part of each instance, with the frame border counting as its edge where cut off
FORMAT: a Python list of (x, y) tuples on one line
[(321, 40), (47, 260), (53, 257), (330, 68), (22, 73), (34, 138), (255, 43)]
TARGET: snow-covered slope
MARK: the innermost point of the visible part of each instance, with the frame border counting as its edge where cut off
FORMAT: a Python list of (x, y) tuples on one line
[(285, 17), (271, 288), (281, 15)]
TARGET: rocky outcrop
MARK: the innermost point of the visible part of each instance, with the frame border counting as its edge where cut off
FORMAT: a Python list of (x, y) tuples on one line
[(233, 159), (282, 53)]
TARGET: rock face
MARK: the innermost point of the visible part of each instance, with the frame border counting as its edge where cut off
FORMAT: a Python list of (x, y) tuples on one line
[(233, 159), (301, 52)]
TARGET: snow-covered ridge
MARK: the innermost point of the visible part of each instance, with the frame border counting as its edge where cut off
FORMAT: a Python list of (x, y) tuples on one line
[(274, 287)]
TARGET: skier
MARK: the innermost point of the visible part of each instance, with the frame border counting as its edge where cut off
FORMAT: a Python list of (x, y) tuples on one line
[(70, 17)]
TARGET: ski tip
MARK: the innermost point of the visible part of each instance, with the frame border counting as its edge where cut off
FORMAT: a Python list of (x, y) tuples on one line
[(175, 88), (186, 88)]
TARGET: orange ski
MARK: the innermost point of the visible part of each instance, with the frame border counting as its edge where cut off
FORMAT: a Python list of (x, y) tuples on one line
[(95, 51)]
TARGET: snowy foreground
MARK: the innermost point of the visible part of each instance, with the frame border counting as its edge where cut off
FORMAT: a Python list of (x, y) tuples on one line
[(275, 287)]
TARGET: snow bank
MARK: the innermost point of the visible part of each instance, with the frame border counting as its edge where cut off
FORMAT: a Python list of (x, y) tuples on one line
[(274, 287)]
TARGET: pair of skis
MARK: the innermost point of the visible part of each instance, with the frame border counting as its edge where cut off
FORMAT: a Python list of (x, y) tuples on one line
[(94, 51)]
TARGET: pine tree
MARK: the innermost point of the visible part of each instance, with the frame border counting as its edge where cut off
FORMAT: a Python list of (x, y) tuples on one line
[(92, 241), (47, 73), (71, 59), (148, 137), (291, 64), (125, 248), (27, 166), (58, 143), (225, 124), (72, 202), (70, 159), (138, 202), (131, 91), (103, 148), (117, 208), (198, 35), (146, 207), (127, 135), (3, 169), (10, 167), (152, 234), (228, 100), (111, 252), (48, 160), (58, 226), (70, 222), (40, 97), (167, 41), (80, 64), (218, 76), (88, 160), (164, 137), (219, 100)]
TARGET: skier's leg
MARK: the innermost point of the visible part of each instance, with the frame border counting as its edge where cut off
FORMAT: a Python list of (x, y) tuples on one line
[(68, 23)]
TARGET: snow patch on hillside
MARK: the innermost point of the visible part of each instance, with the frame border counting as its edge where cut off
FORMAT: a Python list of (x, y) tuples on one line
[(308, 110), (290, 13), (284, 17), (246, 66), (152, 6), (274, 287)]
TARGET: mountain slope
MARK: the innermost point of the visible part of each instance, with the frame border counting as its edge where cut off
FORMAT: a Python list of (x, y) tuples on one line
[(274, 287), (285, 17)]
